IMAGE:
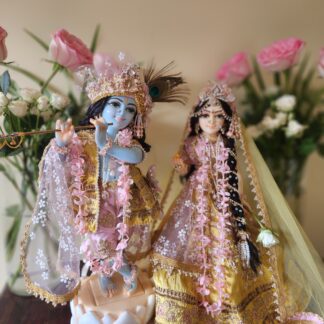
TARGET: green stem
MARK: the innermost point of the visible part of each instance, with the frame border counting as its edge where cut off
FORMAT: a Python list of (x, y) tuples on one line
[(15, 164), (276, 77), (15, 276), (55, 70), (22, 195), (287, 79)]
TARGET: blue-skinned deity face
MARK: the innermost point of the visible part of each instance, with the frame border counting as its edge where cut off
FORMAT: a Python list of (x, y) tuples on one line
[(120, 111)]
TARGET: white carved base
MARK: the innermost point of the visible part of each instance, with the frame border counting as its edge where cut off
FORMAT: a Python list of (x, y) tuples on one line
[(92, 306)]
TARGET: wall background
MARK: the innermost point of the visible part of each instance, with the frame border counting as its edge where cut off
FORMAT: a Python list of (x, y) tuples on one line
[(198, 35)]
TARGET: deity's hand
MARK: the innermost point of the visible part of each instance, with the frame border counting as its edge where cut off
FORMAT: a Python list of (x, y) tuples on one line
[(179, 165), (64, 137), (101, 131)]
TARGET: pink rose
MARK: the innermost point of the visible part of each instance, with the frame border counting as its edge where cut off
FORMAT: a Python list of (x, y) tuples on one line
[(3, 49), (320, 65), (69, 51), (235, 70), (280, 55)]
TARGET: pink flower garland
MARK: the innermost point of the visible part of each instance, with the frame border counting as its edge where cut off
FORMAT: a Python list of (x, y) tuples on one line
[(80, 199), (311, 317), (220, 244)]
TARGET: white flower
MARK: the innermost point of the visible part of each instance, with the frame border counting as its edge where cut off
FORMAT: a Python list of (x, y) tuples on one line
[(18, 108), (58, 101), (29, 94), (269, 123), (267, 238), (46, 115), (255, 131), (3, 100), (294, 128), (286, 103), (281, 117), (42, 103)]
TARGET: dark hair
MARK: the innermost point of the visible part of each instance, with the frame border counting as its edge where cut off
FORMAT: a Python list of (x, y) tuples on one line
[(235, 204), (97, 108)]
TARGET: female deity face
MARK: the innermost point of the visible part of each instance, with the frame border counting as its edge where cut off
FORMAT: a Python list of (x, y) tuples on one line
[(211, 120), (120, 111)]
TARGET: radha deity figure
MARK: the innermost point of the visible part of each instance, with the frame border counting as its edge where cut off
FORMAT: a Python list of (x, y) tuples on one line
[(92, 197), (210, 264)]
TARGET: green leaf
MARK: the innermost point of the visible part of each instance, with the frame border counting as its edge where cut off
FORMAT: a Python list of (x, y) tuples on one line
[(300, 73), (12, 210), (307, 146), (37, 39), (31, 76), (12, 235), (258, 74), (2, 168), (5, 82), (95, 39), (7, 151)]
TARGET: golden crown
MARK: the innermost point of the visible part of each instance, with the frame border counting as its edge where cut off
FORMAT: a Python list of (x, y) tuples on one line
[(126, 80)]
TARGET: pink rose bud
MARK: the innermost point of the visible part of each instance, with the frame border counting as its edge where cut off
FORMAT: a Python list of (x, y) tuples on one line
[(280, 55), (3, 49), (320, 65), (235, 70), (69, 51)]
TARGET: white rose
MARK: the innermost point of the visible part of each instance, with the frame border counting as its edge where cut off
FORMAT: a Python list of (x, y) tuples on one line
[(42, 103), (286, 103), (18, 108), (269, 123), (3, 100), (294, 128), (29, 94), (58, 101), (33, 111), (267, 238), (255, 131), (281, 117), (47, 114)]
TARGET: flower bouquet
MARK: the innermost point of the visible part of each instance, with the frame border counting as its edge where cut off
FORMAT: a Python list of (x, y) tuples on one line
[(37, 109), (283, 109)]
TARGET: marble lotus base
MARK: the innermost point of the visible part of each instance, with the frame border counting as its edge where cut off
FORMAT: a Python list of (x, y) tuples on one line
[(92, 306)]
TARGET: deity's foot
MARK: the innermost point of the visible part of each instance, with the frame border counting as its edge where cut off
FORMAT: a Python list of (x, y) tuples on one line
[(130, 278), (107, 286)]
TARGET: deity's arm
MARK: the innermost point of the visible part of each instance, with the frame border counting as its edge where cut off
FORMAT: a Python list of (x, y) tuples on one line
[(133, 155), (183, 159)]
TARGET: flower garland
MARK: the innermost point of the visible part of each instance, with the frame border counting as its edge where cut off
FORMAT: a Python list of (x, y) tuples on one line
[(111, 265), (219, 245)]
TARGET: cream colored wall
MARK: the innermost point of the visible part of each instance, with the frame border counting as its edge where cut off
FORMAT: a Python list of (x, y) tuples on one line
[(198, 35)]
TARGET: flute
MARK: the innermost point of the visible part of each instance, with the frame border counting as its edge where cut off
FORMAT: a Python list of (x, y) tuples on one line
[(12, 136)]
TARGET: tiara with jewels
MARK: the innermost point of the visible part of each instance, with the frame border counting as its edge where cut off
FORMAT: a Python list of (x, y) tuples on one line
[(214, 92)]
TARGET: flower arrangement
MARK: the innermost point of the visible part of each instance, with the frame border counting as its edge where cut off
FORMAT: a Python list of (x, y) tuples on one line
[(285, 117), (27, 109)]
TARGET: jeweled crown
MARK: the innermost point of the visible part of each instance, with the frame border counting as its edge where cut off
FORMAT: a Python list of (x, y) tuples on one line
[(125, 80)]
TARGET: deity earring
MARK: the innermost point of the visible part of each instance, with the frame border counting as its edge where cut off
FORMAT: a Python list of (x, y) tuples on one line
[(197, 128)]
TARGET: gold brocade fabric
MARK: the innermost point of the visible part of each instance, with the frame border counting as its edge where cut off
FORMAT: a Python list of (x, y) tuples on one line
[(144, 207), (251, 298), (177, 301)]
